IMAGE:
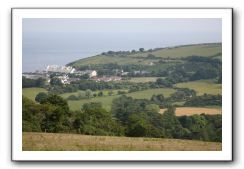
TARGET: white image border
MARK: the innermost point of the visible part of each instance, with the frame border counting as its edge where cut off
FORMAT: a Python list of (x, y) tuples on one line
[(19, 155)]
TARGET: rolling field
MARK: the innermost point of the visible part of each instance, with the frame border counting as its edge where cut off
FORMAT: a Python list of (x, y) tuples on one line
[(76, 142), (188, 111), (107, 100), (202, 86), (32, 92), (139, 57)]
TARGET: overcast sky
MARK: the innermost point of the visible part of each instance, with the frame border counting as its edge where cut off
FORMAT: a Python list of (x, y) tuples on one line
[(66, 40)]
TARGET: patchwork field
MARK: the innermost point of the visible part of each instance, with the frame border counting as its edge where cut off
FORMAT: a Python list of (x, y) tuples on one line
[(107, 100), (76, 142), (202, 86), (188, 111)]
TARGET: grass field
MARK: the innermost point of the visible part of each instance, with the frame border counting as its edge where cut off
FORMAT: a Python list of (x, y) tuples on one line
[(188, 111), (32, 92), (76, 142), (107, 100), (202, 86), (138, 58)]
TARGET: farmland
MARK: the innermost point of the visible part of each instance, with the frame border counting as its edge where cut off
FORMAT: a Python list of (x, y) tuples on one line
[(163, 53), (76, 142), (188, 111), (107, 100), (32, 92), (142, 100), (202, 86)]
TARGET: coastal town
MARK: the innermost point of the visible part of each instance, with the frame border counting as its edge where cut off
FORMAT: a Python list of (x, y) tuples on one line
[(68, 74)]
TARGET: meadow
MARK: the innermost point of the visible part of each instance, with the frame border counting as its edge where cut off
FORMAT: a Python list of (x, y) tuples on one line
[(163, 53), (77, 142), (107, 100), (32, 92), (202, 86), (188, 111)]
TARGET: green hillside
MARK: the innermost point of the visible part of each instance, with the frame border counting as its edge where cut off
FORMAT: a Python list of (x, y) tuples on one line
[(144, 58)]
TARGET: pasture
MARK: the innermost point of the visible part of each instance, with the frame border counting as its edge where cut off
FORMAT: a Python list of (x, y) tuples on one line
[(107, 100), (202, 86), (32, 92), (77, 142), (188, 111), (165, 53)]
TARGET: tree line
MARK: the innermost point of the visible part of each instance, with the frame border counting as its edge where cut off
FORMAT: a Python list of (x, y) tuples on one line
[(128, 117)]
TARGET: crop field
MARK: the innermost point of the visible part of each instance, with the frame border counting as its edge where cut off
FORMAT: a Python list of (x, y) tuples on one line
[(188, 111), (107, 100), (77, 142), (32, 92), (202, 86)]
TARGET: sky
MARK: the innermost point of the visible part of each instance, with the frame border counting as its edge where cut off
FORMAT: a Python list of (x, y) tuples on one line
[(60, 41)]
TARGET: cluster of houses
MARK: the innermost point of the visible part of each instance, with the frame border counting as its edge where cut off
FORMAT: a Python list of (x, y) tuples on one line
[(64, 74)]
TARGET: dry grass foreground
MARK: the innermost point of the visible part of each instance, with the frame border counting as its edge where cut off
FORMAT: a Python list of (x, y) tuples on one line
[(76, 142), (188, 111)]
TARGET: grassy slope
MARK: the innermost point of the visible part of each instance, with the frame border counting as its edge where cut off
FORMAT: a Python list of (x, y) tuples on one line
[(32, 92), (183, 51), (137, 58), (202, 86), (75, 142)]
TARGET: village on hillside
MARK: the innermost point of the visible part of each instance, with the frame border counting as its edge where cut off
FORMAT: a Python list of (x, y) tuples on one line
[(68, 74)]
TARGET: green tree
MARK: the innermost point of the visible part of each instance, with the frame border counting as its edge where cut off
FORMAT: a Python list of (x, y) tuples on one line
[(137, 126), (41, 97), (122, 107), (57, 101), (100, 93), (141, 49), (56, 82), (88, 93)]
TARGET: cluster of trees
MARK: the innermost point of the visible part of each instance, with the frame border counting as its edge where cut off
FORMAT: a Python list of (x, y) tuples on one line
[(205, 100), (52, 114), (143, 120), (124, 53), (84, 95), (26, 82), (128, 117)]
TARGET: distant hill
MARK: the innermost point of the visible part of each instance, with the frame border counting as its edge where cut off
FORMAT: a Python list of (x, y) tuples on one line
[(152, 55)]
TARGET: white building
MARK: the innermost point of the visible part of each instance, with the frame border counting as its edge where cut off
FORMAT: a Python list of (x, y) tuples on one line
[(64, 79), (60, 69), (91, 73)]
